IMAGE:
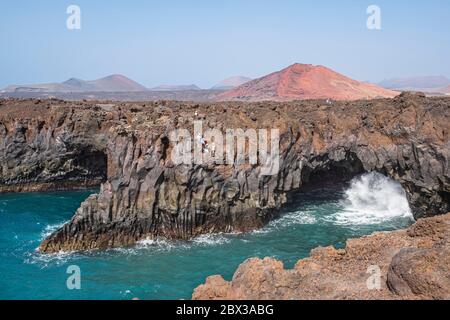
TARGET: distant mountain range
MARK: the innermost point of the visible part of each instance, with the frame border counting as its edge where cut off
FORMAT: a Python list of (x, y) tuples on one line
[(446, 90), (191, 87), (305, 81), (112, 83), (431, 84), (231, 83), (296, 82)]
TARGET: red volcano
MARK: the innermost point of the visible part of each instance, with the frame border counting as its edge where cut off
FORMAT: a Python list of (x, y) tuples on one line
[(305, 81)]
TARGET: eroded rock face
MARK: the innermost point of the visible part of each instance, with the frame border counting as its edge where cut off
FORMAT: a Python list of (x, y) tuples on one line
[(145, 195), (50, 146), (412, 264)]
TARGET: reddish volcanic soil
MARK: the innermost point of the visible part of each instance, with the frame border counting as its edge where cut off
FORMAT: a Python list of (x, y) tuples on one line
[(304, 81)]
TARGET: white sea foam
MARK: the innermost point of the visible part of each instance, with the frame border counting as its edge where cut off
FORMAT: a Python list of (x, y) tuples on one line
[(50, 259), (372, 199), (46, 259), (298, 217), (302, 217), (48, 230), (166, 244), (211, 239), (157, 244)]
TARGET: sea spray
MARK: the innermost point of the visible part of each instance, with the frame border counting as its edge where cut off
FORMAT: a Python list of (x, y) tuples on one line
[(161, 268), (372, 199), (49, 229)]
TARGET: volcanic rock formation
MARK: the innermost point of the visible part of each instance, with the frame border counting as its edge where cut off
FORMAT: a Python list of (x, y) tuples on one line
[(53, 144), (305, 81), (412, 264)]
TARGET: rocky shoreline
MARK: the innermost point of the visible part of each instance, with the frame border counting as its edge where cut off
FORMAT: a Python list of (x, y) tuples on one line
[(405, 264), (144, 194)]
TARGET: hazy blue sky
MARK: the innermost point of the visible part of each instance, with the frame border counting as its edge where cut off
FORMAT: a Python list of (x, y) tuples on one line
[(202, 42)]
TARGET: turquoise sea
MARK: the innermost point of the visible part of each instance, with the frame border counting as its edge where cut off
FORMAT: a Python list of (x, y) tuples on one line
[(169, 269)]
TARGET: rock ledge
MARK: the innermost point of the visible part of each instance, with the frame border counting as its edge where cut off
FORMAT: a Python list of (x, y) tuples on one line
[(412, 264)]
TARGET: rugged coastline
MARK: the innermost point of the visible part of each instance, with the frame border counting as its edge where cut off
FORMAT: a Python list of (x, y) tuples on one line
[(143, 194), (406, 264)]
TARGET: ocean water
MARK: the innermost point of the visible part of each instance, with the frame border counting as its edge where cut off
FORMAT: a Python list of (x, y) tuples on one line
[(169, 269)]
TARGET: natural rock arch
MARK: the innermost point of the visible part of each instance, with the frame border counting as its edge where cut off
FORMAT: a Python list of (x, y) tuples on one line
[(146, 195)]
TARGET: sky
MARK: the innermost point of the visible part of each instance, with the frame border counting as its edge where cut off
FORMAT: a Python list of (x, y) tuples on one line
[(202, 42)]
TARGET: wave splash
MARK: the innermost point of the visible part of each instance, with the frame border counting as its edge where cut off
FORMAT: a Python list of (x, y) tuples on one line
[(49, 229), (372, 199)]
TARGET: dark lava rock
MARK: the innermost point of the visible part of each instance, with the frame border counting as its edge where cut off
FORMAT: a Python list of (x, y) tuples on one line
[(66, 145)]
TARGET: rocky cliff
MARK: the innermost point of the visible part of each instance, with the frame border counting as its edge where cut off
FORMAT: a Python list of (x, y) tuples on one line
[(50, 146), (406, 264), (54, 144)]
